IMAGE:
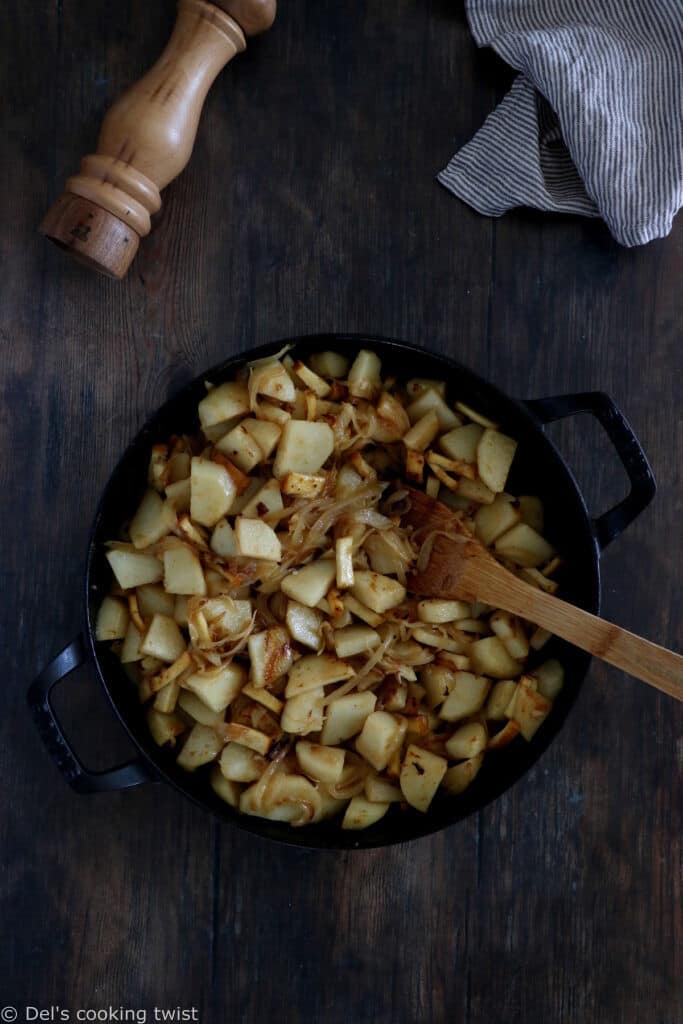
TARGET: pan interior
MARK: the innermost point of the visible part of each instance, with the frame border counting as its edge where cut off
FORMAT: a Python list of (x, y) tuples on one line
[(538, 469)]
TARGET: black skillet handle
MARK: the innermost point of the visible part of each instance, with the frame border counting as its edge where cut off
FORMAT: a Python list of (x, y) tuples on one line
[(79, 778), (627, 446)]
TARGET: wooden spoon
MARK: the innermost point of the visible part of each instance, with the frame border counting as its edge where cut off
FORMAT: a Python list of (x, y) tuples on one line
[(460, 567)]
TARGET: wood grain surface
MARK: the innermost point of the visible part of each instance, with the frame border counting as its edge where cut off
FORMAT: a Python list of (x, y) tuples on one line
[(310, 205)]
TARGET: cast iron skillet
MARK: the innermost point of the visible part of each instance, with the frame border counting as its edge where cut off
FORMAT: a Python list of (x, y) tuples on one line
[(538, 469)]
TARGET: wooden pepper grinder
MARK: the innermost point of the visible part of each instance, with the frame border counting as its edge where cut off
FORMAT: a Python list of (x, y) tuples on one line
[(148, 135)]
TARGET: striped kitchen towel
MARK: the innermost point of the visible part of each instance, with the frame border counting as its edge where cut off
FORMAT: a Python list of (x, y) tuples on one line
[(594, 122)]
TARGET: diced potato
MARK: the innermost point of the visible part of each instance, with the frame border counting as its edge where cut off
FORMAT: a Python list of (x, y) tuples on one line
[(229, 615), (344, 559), (183, 571), (225, 788), (491, 521), (264, 433), (457, 779), (431, 401), (489, 657), (392, 420), (130, 651), (316, 670), (462, 442), (310, 379), (475, 490), (248, 737), (423, 432), (510, 632), (112, 620), (266, 499), (303, 485), (495, 453), (438, 681), (433, 636), (133, 569), (241, 447), (309, 585), (290, 798), (164, 728), (531, 709), (362, 813), (393, 694), (304, 713), (271, 379), (200, 747), (438, 611), (421, 775), (303, 448), (304, 624), (499, 699), (223, 539), (354, 640), (324, 764), (224, 403), (361, 611), (180, 610), (382, 791), (383, 554), (352, 781), (523, 546), (348, 481), (263, 696), (152, 598), (167, 697), (152, 521), (257, 539), (217, 687), (242, 481), (273, 414), (179, 495), (270, 655), (467, 741), (467, 695), (379, 738), (163, 639), (550, 676), (364, 376), (212, 491), (193, 706), (377, 592), (330, 364), (240, 764), (346, 716), (531, 511), (458, 662)]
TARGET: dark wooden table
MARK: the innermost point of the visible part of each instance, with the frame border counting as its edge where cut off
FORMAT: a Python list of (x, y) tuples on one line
[(311, 205)]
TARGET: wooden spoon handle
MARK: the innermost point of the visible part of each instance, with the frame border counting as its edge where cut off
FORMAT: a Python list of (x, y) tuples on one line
[(148, 135), (652, 664)]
